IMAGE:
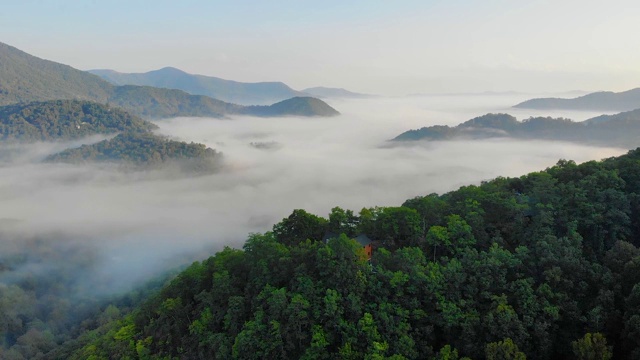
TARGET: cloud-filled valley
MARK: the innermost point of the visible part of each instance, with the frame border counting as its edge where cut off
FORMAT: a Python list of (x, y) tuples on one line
[(140, 222)]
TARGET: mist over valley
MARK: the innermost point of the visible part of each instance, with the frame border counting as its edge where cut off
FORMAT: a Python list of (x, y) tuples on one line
[(319, 163)]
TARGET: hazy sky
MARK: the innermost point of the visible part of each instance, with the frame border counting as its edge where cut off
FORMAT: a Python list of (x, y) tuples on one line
[(383, 47)]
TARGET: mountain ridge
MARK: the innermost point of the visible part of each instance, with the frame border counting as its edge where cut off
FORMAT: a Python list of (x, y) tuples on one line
[(600, 101), (258, 93), (329, 92)]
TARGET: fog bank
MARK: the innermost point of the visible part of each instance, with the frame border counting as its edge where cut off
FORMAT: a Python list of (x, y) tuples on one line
[(138, 223)]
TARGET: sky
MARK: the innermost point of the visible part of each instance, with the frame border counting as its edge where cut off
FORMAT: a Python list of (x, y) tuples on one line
[(373, 46)]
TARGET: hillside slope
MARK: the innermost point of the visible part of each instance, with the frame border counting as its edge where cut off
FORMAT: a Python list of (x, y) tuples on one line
[(25, 78)]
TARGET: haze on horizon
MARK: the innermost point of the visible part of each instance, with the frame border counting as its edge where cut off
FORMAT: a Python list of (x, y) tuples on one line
[(380, 47)]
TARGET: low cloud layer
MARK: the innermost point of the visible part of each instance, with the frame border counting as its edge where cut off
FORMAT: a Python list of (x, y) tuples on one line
[(134, 224)]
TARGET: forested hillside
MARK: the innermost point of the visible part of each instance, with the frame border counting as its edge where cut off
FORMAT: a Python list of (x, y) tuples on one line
[(26, 78), (65, 120), (621, 130), (544, 266)]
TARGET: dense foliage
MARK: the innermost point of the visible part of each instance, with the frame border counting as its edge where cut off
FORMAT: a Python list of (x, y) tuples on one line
[(609, 130), (143, 150), (26, 78), (65, 120), (545, 266)]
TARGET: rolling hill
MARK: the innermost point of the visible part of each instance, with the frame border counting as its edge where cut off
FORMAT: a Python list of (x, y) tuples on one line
[(260, 93), (26, 78), (599, 101), (143, 151), (297, 106)]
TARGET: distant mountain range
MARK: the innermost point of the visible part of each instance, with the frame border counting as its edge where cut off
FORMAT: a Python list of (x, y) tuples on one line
[(26, 78), (598, 101), (261, 93), (622, 130), (325, 92)]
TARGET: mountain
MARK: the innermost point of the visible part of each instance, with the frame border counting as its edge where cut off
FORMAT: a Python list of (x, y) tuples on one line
[(325, 92), (297, 106), (260, 93), (529, 266), (65, 120), (622, 130), (26, 78), (143, 150), (598, 101)]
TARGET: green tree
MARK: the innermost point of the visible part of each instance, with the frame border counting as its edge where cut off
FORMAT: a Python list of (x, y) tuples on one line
[(343, 222), (438, 237), (504, 350), (299, 226), (592, 347)]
